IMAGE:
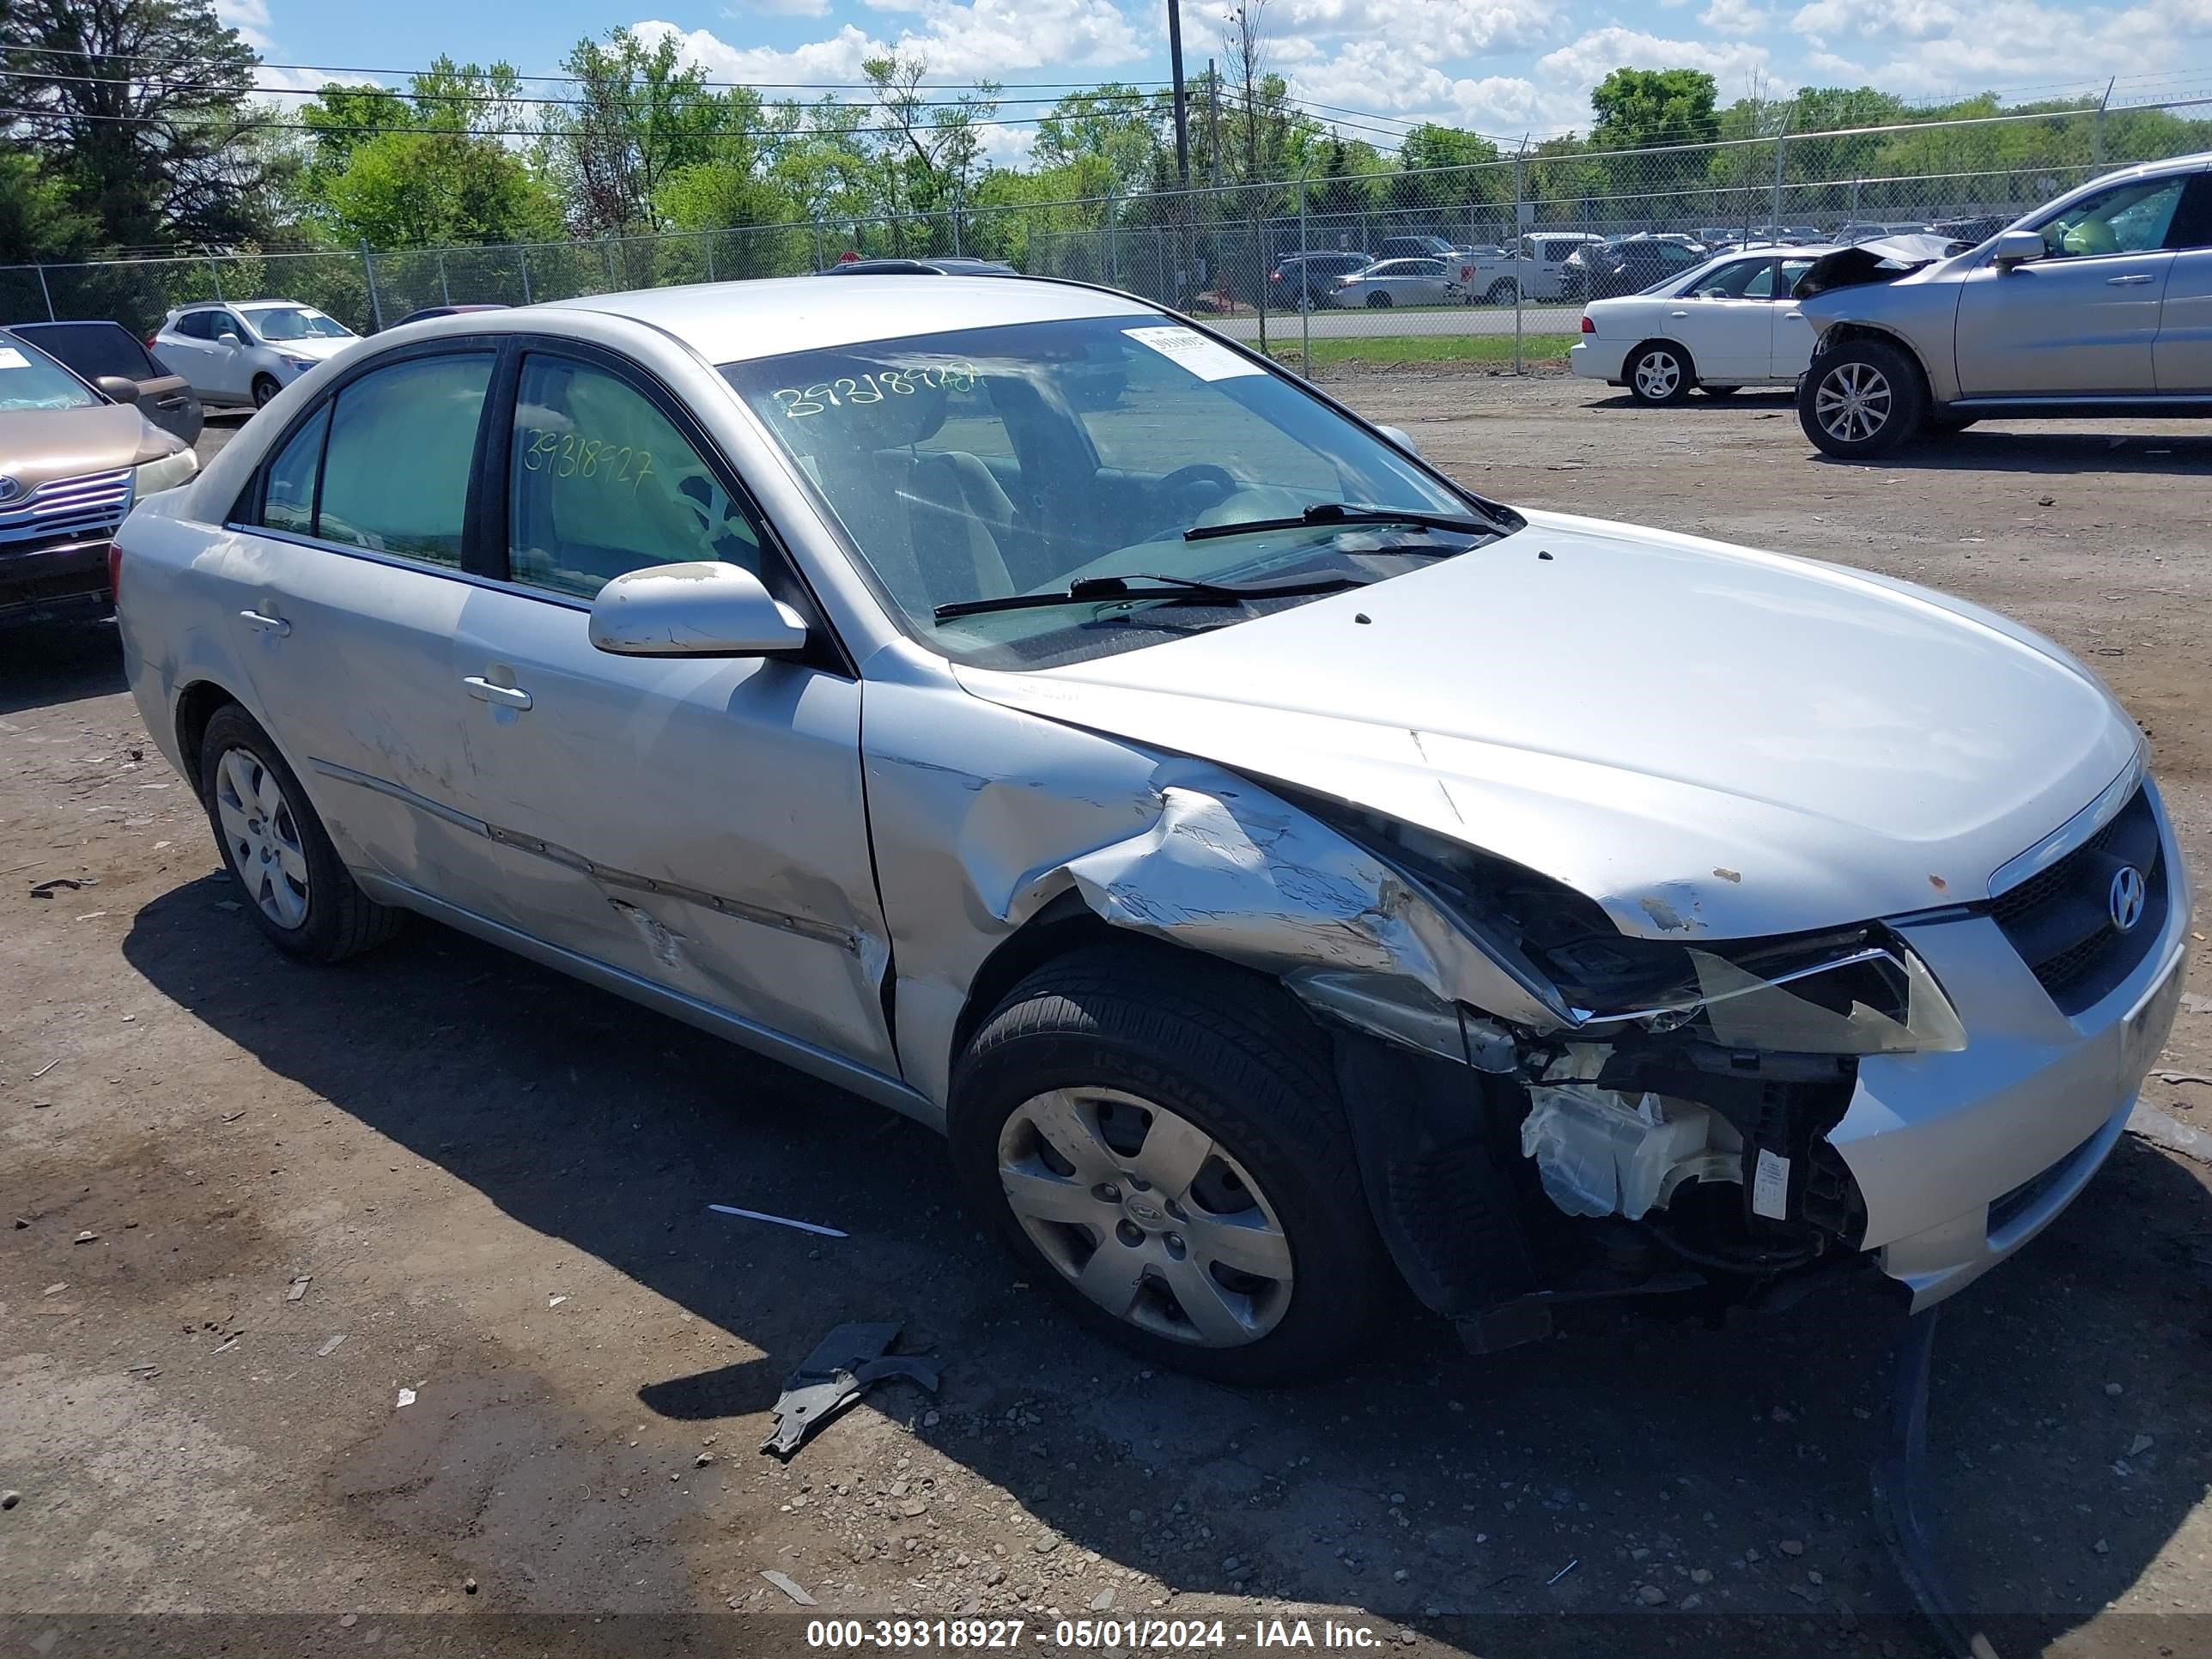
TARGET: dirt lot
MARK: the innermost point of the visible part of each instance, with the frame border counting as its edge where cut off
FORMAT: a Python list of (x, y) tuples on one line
[(489, 1186)]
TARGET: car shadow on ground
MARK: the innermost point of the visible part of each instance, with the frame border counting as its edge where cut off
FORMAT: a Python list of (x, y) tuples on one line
[(1981, 449), (1763, 399), (59, 661), (1516, 1505)]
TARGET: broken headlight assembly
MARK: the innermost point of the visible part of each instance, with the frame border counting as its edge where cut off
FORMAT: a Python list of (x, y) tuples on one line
[(1856, 990)]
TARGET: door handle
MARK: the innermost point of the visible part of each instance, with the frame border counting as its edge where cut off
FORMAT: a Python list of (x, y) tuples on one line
[(507, 697), (266, 624), (1793, 316), (2134, 281), (1678, 313)]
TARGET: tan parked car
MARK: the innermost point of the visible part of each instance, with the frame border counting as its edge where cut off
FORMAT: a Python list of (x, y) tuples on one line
[(74, 459)]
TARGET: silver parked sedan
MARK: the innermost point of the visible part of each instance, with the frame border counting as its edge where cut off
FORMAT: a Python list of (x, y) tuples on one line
[(1400, 282), (1275, 868)]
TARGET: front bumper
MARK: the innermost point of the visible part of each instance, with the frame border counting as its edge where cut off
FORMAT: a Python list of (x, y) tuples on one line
[(66, 575), (1962, 1157)]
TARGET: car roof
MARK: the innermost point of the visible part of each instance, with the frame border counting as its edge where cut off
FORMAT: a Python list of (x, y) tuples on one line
[(767, 316)]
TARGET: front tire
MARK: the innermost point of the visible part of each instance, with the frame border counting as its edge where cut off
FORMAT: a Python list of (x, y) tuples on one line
[(264, 388), (1160, 1144), (1659, 372), (295, 888), (1378, 301), (1501, 293), (1860, 400)]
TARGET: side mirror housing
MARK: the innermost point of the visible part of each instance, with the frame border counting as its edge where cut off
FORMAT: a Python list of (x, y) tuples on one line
[(703, 610), (229, 338), (118, 387), (1399, 436), (2018, 247)]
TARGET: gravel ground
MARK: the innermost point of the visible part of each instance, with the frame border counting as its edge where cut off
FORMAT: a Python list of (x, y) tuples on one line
[(251, 1204)]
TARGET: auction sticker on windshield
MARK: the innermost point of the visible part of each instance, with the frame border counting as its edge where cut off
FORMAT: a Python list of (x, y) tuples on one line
[(1207, 359)]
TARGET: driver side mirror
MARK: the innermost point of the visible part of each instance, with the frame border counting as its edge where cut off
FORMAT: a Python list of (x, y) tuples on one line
[(1399, 436), (2018, 247), (707, 609), (229, 339), (117, 388)]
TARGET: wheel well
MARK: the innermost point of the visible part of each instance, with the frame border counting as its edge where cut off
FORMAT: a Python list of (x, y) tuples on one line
[(1845, 333), (1689, 364), (1065, 925), (196, 707)]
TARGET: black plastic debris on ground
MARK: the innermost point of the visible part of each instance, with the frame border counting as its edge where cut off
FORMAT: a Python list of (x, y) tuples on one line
[(844, 1365)]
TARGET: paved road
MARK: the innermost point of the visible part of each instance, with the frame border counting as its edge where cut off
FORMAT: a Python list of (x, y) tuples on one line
[(1366, 324)]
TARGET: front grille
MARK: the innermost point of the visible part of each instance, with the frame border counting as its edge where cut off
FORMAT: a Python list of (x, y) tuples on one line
[(2060, 919), (65, 510)]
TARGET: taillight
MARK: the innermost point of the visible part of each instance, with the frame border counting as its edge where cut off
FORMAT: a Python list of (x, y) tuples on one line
[(114, 570), (1274, 276), (1589, 327), (150, 338)]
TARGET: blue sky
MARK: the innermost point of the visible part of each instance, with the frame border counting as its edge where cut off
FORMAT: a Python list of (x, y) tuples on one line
[(1499, 66)]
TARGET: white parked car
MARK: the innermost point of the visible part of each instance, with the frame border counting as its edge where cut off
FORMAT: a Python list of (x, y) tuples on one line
[(1728, 325), (248, 352), (1399, 282), (1207, 847)]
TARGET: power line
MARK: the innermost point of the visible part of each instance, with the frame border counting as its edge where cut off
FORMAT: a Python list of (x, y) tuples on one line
[(254, 123)]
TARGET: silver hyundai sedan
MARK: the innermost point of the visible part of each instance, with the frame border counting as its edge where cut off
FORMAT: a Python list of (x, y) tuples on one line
[(1276, 869)]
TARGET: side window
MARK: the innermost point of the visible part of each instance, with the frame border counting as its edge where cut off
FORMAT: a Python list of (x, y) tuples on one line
[(601, 482), (1730, 280), (1761, 285), (2192, 224), (288, 498), (193, 326), (396, 475), (1793, 272), (2128, 218)]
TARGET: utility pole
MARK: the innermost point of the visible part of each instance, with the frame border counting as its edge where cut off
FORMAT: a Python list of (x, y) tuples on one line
[(1182, 107), (1213, 118)]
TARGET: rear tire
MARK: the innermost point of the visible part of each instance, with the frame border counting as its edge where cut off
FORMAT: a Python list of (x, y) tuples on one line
[(1378, 301), (1860, 400), (288, 874), (1125, 1114), (264, 388), (1501, 293), (1659, 372)]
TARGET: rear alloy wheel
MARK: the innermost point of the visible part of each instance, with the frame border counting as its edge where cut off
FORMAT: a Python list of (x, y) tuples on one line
[(1659, 373), (297, 889), (1862, 399), (1378, 301), (1160, 1144), (264, 388)]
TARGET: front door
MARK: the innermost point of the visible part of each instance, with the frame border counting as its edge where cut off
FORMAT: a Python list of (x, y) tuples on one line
[(699, 824), (2084, 317)]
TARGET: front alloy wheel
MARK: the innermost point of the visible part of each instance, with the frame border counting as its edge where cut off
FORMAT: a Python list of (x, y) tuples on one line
[(1862, 399), (1146, 1215)]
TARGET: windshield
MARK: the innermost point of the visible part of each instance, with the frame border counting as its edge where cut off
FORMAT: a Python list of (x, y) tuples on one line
[(29, 380), (1020, 459), (297, 323)]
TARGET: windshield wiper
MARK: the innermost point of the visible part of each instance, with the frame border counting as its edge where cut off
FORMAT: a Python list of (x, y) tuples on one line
[(1085, 589), (1329, 513)]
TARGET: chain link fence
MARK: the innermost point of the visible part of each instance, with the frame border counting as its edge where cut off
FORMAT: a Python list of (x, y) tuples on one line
[(1485, 264)]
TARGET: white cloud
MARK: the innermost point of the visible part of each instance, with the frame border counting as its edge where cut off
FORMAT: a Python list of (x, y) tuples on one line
[(249, 17), (959, 40), (1600, 51), (1434, 30), (750, 9), (1955, 47), (1735, 17)]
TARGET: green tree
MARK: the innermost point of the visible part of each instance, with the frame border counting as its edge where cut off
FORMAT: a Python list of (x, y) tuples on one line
[(1640, 109), (639, 116), (150, 155), (37, 221)]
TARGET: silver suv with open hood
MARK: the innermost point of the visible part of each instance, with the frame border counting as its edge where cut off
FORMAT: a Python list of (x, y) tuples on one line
[(1273, 866), (2099, 303)]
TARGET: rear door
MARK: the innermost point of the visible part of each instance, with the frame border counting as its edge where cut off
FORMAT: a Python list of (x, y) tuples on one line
[(698, 824), (188, 346), (1726, 321), (2182, 359), (358, 591), (2086, 316)]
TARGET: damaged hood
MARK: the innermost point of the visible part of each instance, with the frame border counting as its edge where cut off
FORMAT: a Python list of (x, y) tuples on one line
[(1885, 259), (1706, 739)]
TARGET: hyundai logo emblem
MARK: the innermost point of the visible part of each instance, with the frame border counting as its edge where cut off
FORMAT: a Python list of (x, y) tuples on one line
[(10, 489), (2126, 898)]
